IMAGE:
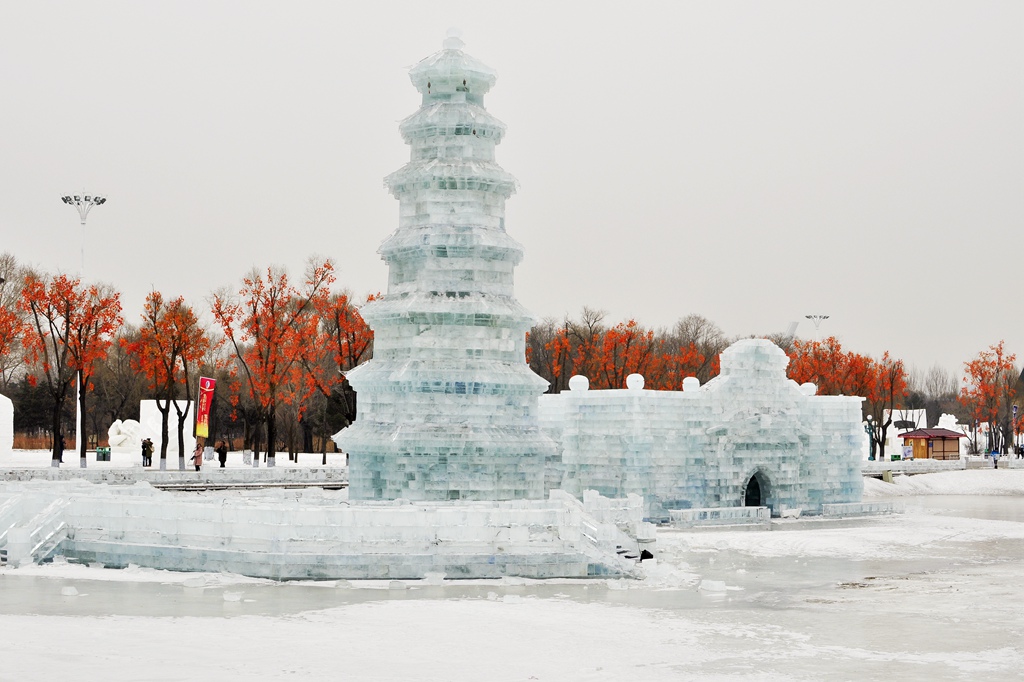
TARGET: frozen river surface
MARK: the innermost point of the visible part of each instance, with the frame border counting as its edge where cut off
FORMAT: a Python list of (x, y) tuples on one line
[(933, 594)]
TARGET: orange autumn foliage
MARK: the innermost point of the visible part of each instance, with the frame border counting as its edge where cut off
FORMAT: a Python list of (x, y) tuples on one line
[(71, 327), (269, 326), (988, 392), (169, 346)]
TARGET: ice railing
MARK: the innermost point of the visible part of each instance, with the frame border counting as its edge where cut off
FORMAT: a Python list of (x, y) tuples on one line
[(720, 516), (10, 515), (37, 538), (862, 508)]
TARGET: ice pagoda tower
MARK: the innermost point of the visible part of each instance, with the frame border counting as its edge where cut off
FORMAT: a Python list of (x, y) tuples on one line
[(448, 405)]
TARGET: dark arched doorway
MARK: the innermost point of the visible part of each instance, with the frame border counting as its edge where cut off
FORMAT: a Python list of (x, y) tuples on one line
[(752, 496)]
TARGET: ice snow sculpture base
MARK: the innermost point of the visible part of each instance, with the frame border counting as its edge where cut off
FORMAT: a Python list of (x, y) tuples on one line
[(209, 477), (312, 534), (721, 516), (912, 466), (861, 509)]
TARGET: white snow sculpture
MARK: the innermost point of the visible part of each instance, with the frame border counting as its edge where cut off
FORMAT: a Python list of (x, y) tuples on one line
[(6, 424), (447, 405), (125, 435)]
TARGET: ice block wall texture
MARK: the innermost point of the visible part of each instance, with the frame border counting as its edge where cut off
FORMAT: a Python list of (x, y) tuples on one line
[(702, 446), (6, 424), (448, 406)]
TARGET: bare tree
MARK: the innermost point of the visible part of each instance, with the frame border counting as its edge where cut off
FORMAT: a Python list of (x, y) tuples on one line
[(705, 337)]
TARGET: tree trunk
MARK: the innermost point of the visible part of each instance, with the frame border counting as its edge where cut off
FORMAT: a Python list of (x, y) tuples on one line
[(81, 437), (57, 454), (271, 435), (164, 432), (323, 436), (257, 444), (881, 441), (181, 440), (182, 416)]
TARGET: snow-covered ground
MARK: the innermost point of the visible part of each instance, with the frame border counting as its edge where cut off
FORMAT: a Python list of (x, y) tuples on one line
[(930, 594), (968, 482), (17, 459)]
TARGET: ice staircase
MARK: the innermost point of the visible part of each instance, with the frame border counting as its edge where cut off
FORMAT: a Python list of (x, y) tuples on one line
[(27, 537), (611, 525)]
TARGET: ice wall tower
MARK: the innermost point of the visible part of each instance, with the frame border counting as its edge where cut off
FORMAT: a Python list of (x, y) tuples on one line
[(448, 406)]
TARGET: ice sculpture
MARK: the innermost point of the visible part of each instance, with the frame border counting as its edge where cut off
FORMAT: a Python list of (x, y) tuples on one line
[(6, 424), (308, 534), (448, 406), (748, 437), (125, 435)]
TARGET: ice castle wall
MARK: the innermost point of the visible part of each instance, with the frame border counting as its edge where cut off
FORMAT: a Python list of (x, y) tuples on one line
[(702, 446), (448, 406)]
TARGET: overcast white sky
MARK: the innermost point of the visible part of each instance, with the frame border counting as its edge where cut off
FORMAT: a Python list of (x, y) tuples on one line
[(752, 162)]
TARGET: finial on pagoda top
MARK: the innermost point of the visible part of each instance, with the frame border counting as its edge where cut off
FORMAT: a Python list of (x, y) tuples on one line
[(453, 39)]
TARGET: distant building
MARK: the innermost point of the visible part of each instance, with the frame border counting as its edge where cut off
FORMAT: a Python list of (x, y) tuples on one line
[(934, 443)]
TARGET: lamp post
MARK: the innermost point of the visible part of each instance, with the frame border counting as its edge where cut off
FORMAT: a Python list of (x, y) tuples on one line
[(817, 320), (869, 429), (1013, 428), (83, 203)]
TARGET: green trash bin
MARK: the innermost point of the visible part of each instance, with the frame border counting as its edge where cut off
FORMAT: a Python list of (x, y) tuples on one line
[(102, 454)]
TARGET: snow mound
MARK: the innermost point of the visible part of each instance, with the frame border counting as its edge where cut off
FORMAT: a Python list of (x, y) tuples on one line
[(968, 482)]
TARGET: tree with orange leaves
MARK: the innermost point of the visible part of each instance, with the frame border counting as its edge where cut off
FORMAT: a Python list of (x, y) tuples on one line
[(627, 348), (676, 362), (882, 383), (12, 320), (71, 328), (169, 346), (343, 341), (268, 325), (884, 395), (12, 329), (989, 388)]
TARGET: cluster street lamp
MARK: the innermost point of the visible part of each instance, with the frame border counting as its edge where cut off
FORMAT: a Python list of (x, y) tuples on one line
[(83, 203), (817, 320)]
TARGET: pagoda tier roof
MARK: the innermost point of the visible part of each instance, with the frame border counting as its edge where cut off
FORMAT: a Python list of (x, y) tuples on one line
[(442, 116), (451, 174), (455, 238), (447, 69), (473, 310), (931, 433)]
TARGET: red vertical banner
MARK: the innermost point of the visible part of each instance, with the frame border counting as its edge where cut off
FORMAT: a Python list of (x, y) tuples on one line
[(206, 386)]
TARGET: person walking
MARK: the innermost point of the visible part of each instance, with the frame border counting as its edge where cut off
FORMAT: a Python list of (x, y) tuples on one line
[(61, 445), (197, 455), (222, 454)]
